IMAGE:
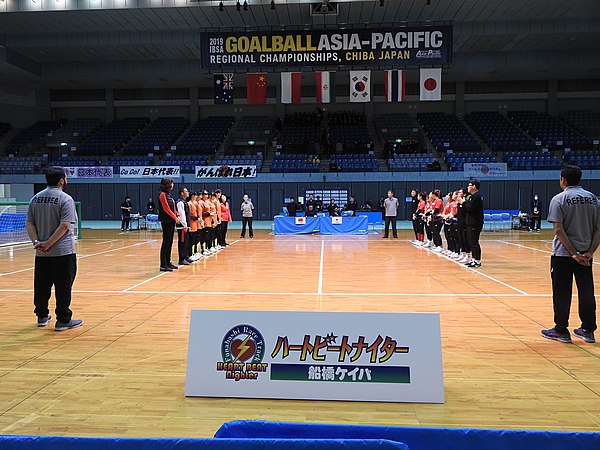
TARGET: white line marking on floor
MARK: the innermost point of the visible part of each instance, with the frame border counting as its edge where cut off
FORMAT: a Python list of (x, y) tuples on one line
[(320, 287), (533, 248), (105, 242), (144, 282)]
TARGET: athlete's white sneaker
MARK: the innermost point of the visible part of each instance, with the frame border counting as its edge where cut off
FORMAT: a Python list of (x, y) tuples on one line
[(438, 249)]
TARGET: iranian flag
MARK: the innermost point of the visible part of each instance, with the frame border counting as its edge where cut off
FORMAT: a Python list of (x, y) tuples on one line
[(290, 87), (325, 85)]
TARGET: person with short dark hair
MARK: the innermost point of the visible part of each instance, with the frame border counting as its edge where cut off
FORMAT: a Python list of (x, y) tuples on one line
[(575, 217), (352, 205), (167, 216), (50, 217), (412, 213), (183, 232), (390, 207), (536, 213), (151, 206), (473, 210), (292, 207), (126, 208), (247, 217)]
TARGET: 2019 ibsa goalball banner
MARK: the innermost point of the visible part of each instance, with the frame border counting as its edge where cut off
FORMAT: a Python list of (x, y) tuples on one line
[(383, 357), (412, 45)]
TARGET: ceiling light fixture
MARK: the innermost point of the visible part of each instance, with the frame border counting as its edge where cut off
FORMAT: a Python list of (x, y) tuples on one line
[(428, 2), (273, 4), (221, 8), (245, 5), (380, 2), (238, 6)]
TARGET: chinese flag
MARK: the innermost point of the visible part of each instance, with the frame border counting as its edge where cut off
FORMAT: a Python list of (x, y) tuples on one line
[(256, 88)]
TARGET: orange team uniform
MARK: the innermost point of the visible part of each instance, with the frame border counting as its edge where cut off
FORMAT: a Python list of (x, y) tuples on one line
[(193, 213), (206, 218), (218, 206), (199, 221), (213, 213)]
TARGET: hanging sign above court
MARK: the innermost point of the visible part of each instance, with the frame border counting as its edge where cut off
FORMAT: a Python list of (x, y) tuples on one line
[(226, 171), (400, 46), (149, 171), (391, 357)]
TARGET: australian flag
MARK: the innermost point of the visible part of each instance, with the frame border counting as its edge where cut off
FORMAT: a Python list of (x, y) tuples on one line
[(223, 88)]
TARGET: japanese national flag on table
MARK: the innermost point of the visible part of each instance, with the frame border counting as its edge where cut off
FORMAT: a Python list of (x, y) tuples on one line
[(360, 85), (325, 85), (431, 84), (290, 87), (394, 85), (300, 220), (223, 88), (256, 88)]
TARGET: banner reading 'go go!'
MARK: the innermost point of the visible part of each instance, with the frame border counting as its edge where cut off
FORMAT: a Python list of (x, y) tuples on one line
[(416, 45)]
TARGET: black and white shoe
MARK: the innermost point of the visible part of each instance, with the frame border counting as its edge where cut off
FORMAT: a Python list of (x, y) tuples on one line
[(474, 264)]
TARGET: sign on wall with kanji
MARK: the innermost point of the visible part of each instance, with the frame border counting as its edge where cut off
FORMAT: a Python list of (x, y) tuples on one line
[(383, 357)]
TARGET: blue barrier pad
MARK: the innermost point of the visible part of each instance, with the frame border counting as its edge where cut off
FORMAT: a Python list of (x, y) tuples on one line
[(349, 225), (417, 438), (287, 225), (323, 225), (512, 212), (81, 443), (373, 217)]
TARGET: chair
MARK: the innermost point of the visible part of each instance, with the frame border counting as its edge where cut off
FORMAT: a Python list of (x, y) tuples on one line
[(487, 220), (496, 221), (152, 222)]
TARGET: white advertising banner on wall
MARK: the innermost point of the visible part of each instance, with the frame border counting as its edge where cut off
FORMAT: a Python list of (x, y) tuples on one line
[(90, 172), (149, 171), (485, 170), (226, 171), (381, 357)]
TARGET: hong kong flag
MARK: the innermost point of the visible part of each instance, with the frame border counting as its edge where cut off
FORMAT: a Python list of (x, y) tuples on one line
[(256, 86), (431, 84)]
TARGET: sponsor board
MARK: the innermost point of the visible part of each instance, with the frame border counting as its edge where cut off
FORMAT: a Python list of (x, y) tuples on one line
[(385, 357)]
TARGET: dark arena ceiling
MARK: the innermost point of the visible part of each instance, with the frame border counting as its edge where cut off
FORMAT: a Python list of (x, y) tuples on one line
[(104, 43)]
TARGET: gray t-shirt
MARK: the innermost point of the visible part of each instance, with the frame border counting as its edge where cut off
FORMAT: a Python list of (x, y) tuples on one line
[(247, 209), (391, 206), (579, 213), (46, 211)]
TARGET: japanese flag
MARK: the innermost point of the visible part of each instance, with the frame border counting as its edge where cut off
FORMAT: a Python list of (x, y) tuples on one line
[(431, 84), (300, 220)]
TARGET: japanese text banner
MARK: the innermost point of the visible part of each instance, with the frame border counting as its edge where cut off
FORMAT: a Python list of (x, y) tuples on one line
[(149, 171), (225, 171), (89, 172), (391, 357), (414, 45)]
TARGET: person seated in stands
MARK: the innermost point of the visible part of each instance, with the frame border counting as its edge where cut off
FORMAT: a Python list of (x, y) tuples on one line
[(318, 204), (310, 201), (333, 167), (368, 206), (332, 207), (435, 166), (336, 212), (311, 211), (351, 205), (292, 207)]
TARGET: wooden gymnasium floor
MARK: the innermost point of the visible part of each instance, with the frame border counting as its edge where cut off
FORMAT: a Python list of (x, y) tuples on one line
[(123, 372)]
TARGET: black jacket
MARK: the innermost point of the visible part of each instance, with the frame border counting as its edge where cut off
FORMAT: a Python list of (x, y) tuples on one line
[(473, 209)]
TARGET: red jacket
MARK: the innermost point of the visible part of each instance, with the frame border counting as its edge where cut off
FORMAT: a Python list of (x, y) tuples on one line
[(225, 213)]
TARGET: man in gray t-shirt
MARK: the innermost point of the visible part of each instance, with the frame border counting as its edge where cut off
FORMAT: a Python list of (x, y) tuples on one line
[(575, 216), (390, 205), (50, 218)]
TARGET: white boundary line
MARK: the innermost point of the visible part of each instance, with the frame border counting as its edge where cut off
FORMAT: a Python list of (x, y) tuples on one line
[(325, 294), (83, 256), (482, 274), (320, 287), (106, 242), (145, 281), (533, 248)]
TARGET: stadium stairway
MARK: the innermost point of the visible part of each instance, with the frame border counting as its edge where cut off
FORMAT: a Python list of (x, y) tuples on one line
[(484, 146)]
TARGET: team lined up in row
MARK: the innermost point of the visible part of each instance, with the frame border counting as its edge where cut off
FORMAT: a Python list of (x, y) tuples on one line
[(201, 220), (461, 218)]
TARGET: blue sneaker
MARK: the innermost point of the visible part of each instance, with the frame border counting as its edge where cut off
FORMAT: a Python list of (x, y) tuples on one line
[(587, 336), (44, 321), (555, 335), (63, 326)]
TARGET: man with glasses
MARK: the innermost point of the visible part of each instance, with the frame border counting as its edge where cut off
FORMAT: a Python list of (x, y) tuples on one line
[(473, 211)]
